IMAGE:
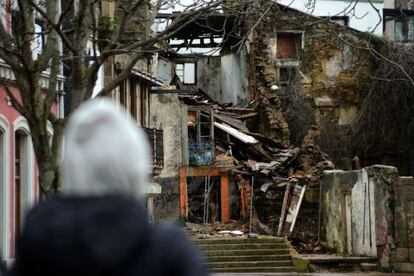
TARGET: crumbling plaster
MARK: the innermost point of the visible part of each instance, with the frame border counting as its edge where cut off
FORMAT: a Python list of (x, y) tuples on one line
[(379, 225), (170, 115), (233, 78), (330, 67)]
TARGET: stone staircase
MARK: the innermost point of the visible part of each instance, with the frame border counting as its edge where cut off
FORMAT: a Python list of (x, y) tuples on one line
[(267, 254)]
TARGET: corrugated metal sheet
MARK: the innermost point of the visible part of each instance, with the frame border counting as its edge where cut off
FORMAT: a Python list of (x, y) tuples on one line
[(237, 134)]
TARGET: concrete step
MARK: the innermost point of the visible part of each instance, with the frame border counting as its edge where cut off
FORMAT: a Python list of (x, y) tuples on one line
[(248, 258), (255, 263), (255, 269), (237, 246), (337, 259), (238, 240), (369, 267), (245, 252)]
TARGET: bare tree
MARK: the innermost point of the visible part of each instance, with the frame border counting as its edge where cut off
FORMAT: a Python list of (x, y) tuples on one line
[(73, 25)]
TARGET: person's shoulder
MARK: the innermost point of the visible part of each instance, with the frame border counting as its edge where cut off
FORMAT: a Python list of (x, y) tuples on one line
[(179, 253)]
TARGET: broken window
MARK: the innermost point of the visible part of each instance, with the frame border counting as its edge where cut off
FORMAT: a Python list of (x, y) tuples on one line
[(286, 75), (404, 29), (199, 126), (186, 72), (200, 145), (288, 45)]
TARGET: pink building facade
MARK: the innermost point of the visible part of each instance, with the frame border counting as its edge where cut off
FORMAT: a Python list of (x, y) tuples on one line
[(19, 190)]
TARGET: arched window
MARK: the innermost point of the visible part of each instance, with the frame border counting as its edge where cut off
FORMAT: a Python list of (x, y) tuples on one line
[(24, 180), (4, 186)]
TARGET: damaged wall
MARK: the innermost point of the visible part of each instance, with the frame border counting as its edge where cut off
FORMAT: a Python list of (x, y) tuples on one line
[(404, 220), (331, 74), (361, 204), (168, 114), (207, 73), (209, 76), (233, 78)]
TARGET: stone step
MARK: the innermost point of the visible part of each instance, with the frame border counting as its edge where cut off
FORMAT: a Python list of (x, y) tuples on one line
[(248, 258), (236, 246), (335, 259), (238, 240), (369, 266), (245, 252), (215, 265), (255, 269)]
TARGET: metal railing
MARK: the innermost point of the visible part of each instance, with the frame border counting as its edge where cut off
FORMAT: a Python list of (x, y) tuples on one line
[(155, 138), (200, 153)]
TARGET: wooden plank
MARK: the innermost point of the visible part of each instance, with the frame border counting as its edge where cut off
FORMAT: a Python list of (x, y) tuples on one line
[(285, 205), (225, 197), (202, 171), (302, 193), (241, 109), (231, 122), (293, 209), (183, 193)]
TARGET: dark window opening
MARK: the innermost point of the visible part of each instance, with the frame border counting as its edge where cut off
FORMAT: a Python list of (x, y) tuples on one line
[(288, 45), (123, 94), (133, 109), (404, 29), (286, 74)]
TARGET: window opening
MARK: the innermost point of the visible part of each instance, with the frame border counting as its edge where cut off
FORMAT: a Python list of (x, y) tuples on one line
[(288, 46), (186, 72), (133, 86)]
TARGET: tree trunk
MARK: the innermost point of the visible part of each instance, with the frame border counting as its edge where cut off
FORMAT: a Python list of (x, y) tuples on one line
[(46, 150)]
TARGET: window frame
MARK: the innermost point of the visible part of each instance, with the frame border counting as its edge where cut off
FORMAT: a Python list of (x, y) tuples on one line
[(182, 77)]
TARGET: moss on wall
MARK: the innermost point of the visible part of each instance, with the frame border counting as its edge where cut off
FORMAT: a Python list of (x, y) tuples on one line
[(329, 64)]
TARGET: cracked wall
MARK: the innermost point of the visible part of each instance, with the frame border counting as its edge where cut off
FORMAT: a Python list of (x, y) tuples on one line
[(332, 74)]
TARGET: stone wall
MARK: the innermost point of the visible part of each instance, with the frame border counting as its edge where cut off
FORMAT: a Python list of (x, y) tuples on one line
[(367, 212), (332, 74), (404, 220)]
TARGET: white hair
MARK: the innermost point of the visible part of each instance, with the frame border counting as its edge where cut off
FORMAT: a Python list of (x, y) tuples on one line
[(105, 152)]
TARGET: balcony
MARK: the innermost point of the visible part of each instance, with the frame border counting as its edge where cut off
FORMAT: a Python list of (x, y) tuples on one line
[(200, 153), (155, 138)]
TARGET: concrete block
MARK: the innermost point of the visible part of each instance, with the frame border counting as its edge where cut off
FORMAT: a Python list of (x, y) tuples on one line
[(411, 255), (369, 266), (404, 267), (301, 264)]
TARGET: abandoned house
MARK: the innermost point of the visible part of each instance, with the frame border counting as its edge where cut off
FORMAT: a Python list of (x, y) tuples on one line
[(263, 118)]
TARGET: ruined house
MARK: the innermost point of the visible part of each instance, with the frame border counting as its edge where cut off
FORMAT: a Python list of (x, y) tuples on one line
[(298, 80)]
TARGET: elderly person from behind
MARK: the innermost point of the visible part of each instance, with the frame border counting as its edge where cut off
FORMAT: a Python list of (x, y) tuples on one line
[(99, 226)]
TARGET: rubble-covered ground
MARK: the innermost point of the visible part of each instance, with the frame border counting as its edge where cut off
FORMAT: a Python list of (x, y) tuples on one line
[(274, 164)]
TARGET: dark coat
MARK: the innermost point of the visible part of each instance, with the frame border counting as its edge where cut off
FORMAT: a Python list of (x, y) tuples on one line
[(101, 236)]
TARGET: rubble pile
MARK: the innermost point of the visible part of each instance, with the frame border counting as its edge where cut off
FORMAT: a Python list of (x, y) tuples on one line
[(277, 171), (306, 243)]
